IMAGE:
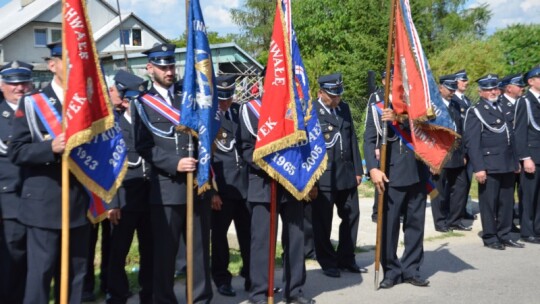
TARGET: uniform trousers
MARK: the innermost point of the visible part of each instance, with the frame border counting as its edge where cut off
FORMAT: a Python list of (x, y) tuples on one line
[(238, 211), (309, 242), (449, 206), (411, 202), (530, 203), (12, 261), (496, 197), (44, 263), (168, 222), (348, 210), (90, 278), (121, 238), (292, 239)]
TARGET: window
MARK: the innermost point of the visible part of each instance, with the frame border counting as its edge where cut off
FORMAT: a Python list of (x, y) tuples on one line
[(40, 37), (124, 37), (137, 37), (44, 36), (132, 37), (56, 35)]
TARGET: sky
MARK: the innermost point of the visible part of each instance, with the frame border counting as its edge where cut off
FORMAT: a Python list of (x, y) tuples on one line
[(168, 16)]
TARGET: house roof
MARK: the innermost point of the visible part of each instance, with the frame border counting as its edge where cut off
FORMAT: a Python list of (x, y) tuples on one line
[(14, 16), (115, 22)]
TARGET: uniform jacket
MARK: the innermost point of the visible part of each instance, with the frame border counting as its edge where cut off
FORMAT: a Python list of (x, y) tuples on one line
[(258, 181), (490, 151), (164, 153), (9, 173), (527, 137), (230, 169), (463, 105), (458, 156), (344, 160), (402, 168), (132, 195), (41, 181), (508, 108)]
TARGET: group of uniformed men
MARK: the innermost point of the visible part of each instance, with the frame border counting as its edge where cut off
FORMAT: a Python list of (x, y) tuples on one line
[(152, 200)]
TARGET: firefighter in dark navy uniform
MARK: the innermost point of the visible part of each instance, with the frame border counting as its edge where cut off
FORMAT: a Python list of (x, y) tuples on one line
[(448, 207), (292, 214), (512, 87), (405, 194), (338, 184), (16, 81), (489, 140), (131, 205), (39, 156), (527, 130), (229, 202), (166, 149)]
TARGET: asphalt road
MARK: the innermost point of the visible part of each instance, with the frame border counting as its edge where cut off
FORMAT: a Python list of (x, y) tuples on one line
[(459, 267)]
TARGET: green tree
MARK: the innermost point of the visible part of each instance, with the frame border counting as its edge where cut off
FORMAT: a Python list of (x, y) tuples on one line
[(255, 20), (520, 46), (479, 57), (213, 38)]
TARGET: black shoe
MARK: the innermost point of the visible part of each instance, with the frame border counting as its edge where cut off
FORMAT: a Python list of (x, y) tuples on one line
[(531, 239), (469, 216), (258, 302), (514, 244), (88, 296), (300, 300), (374, 217), (460, 227), (495, 245), (226, 290), (443, 229), (354, 268), (417, 281), (247, 284), (332, 272), (387, 284), (277, 289)]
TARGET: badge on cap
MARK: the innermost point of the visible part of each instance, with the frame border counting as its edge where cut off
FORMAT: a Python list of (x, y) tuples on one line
[(5, 114), (224, 84), (164, 48), (15, 65), (141, 88)]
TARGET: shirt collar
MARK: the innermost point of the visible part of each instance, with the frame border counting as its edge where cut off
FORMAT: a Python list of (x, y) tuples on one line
[(127, 116), (165, 93), (58, 90), (512, 100)]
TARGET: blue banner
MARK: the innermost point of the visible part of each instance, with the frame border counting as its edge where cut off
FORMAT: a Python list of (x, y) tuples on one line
[(199, 99)]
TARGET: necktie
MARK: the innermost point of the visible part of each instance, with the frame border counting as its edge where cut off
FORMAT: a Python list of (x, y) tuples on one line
[(171, 99)]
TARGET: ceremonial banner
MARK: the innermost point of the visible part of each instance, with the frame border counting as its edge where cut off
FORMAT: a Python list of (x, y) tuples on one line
[(290, 146), (97, 149), (199, 98), (416, 94)]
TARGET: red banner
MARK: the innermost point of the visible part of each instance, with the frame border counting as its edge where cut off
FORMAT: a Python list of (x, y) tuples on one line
[(277, 125), (86, 103)]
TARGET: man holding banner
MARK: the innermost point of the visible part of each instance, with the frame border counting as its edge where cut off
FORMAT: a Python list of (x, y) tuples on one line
[(164, 147), (38, 142)]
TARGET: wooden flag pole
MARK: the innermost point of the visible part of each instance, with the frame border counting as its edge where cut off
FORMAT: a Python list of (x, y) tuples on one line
[(64, 254), (272, 250), (189, 209), (380, 198)]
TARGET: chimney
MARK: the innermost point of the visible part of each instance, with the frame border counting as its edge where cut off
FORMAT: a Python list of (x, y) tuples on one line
[(26, 2)]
